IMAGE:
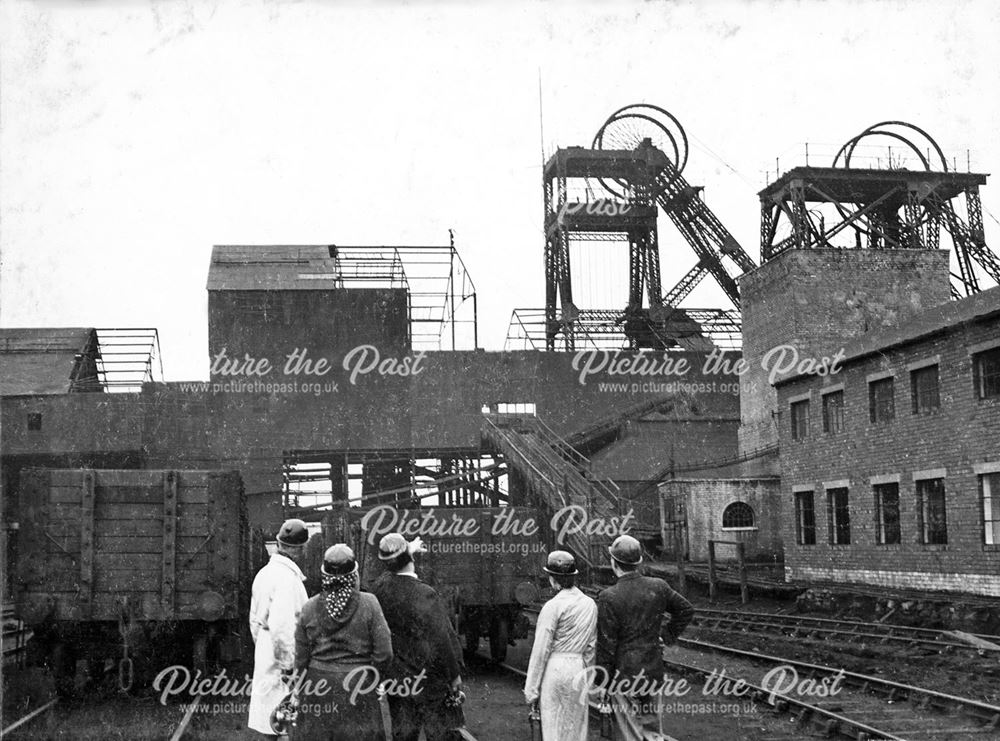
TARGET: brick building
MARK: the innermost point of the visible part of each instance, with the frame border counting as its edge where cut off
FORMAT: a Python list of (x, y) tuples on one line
[(806, 301), (815, 300), (890, 468), (745, 509)]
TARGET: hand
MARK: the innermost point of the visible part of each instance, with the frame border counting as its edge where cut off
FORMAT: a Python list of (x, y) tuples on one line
[(456, 684), (416, 546)]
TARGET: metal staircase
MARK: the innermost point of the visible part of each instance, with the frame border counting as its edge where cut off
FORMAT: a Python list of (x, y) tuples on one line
[(557, 476)]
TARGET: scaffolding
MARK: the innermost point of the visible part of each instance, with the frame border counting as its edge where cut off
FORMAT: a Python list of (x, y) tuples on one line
[(123, 359), (441, 296), (315, 482), (602, 329)]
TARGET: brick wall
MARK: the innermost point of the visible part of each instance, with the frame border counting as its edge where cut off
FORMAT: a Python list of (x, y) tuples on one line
[(962, 435), (815, 301), (704, 501)]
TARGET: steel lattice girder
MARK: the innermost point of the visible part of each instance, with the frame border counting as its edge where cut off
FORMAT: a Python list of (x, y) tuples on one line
[(870, 202), (703, 231)]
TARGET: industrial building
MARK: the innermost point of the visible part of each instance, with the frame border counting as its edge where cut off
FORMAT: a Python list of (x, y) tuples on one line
[(342, 375), (891, 468)]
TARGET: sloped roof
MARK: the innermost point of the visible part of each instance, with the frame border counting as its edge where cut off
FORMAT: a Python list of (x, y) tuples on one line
[(276, 267), (937, 319), (643, 453), (41, 360)]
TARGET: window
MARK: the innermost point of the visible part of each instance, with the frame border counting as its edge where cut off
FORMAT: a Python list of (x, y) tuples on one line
[(805, 518), (887, 514), (34, 421), (989, 489), (839, 516), (800, 419), (738, 516), (881, 405), (833, 412), (986, 373), (521, 407), (924, 387), (931, 514)]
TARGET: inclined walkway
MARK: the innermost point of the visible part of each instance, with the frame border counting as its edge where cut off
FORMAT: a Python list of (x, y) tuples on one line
[(557, 476)]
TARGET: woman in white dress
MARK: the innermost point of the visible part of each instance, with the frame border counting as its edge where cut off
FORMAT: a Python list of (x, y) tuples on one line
[(565, 638)]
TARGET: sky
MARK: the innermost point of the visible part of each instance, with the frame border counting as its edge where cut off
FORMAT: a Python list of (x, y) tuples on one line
[(134, 136)]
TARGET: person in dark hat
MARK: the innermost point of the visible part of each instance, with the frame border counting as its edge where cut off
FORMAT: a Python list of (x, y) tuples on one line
[(635, 618), (276, 599), (342, 646), (423, 641), (565, 635)]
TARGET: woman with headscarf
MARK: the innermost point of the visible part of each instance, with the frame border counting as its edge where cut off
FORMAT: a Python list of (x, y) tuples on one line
[(342, 644), (565, 639)]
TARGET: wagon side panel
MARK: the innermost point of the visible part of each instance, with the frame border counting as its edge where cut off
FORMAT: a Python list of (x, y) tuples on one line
[(155, 545)]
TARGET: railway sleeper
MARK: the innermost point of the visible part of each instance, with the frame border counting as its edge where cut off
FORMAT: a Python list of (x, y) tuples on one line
[(803, 715)]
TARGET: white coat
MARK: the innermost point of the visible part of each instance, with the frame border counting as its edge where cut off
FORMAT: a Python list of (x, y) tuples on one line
[(276, 601), (565, 641)]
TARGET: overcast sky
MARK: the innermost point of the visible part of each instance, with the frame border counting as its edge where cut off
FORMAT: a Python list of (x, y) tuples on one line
[(135, 135)]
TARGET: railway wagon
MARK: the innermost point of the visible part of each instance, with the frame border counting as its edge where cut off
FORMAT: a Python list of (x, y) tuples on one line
[(485, 562), (150, 565)]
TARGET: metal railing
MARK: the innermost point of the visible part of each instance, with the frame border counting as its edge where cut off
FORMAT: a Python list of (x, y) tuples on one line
[(556, 473), (15, 639)]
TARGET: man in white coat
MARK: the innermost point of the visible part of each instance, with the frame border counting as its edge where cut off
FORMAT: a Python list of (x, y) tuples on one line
[(277, 598)]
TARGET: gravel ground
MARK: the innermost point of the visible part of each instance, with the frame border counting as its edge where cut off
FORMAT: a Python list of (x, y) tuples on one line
[(494, 708)]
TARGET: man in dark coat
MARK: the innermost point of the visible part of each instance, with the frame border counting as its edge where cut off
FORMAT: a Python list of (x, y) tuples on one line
[(423, 640), (632, 629)]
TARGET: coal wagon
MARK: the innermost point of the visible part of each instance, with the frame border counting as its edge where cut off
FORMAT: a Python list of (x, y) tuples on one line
[(143, 567), (485, 562)]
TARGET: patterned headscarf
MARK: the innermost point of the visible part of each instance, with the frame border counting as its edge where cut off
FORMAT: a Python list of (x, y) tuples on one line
[(338, 589)]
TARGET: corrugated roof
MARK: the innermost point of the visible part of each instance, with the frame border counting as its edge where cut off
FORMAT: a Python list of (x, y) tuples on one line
[(271, 267), (41, 360), (936, 319)]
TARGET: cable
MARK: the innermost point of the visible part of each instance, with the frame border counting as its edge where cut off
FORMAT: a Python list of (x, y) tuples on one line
[(732, 169)]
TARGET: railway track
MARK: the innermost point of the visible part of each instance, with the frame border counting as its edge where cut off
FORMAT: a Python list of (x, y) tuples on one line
[(799, 626), (755, 694), (522, 675), (25, 719), (181, 728), (864, 707)]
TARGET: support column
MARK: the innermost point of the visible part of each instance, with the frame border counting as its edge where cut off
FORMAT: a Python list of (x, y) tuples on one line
[(800, 219)]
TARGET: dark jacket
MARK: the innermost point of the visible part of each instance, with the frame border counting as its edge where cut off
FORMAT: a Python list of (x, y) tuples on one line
[(360, 636), (631, 622), (422, 634)]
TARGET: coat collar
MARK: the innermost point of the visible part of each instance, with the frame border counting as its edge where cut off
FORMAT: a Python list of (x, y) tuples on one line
[(280, 559), (629, 575), (568, 593)]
